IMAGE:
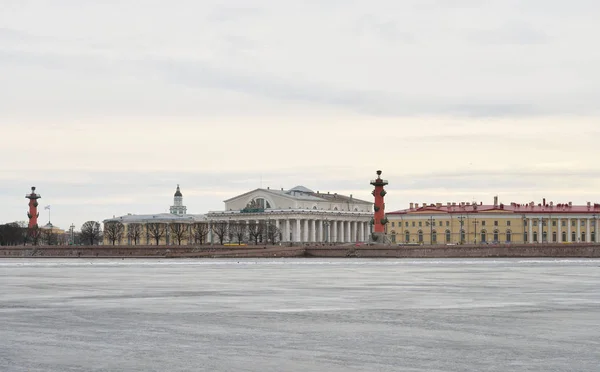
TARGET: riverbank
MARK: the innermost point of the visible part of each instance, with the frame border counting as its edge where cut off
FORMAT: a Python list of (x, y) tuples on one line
[(583, 250)]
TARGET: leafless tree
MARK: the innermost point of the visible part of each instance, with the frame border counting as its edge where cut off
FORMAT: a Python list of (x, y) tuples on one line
[(220, 229), (238, 231), (156, 230), (49, 237), (255, 231), (114, 230), (35, 234), (200, 232), (134, 232), (180, 231), (10, 234), (272, 233), (91, 232)]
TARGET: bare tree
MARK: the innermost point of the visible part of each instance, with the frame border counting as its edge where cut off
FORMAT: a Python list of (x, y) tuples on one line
[(255, 231), (200, 232), (220, 229), (10, 234), (238, 230), (35, 234), (91, 232), (156, 230), (272, 233), (180, 231), (134, 232), (49, 237), (114, 230)]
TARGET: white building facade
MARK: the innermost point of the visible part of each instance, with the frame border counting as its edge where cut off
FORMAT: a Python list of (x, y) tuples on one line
[(301, 215)]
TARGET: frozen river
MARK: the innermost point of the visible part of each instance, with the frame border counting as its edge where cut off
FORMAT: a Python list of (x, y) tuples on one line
[(299, 315)]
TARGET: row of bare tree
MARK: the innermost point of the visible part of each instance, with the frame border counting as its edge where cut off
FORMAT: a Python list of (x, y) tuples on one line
[(197, 233), (17, 233)]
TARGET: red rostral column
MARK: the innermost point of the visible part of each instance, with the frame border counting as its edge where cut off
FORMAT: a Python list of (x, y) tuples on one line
[(379, 219), (33, 214)]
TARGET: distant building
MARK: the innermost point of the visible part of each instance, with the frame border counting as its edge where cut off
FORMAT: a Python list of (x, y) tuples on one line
[(476, 223), (301, 214), (162, 222), (178, 208)]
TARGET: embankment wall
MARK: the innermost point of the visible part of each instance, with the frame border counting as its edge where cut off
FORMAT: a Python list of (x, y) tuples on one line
[(461, 251)]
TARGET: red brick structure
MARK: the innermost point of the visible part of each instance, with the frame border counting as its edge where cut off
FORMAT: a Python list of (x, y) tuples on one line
[(33, 214), (379, 219)]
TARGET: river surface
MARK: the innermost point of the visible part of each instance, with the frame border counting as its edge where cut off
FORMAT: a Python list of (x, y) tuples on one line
[(299, 315)]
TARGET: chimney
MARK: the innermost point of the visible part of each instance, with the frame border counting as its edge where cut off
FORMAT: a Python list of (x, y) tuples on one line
[(551, 204), (453, 204), (448, 204), (544, 202), (417, 205), (589, 204), (438, 205), (495, 201), (350, 195), (570, 204), (412, 205)]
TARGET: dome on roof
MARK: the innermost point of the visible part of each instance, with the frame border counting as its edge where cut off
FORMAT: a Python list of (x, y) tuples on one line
[(301, 189), (178, 192)]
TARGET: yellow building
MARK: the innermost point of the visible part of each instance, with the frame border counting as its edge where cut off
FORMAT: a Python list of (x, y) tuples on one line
[(476, 223)]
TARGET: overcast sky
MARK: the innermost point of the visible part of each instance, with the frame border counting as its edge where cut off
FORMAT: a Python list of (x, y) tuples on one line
[(106, 106)]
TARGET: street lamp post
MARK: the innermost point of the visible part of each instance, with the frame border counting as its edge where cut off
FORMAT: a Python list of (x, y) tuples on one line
[(431, 221), (475, 223), (72, 228), (460, 233)]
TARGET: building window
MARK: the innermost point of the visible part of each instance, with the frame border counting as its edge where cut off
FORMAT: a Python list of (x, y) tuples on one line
[(563, 223), (582, 223), (525, 237), (496, 235), (462, 236), (535, 236), (482, 223), (447, 223), (564, 235), (507, 223), (544, 236), (554, 236), (420, 236), (406, 223), (544, 222), (573, 236), (413, 224), (583, 236), (448, 236), (483, 236), (433, 237), (495, 223), (593, 236), (420, 224), (407, 237), (573, 223), (553, 223), (392, 223), (508, 236)]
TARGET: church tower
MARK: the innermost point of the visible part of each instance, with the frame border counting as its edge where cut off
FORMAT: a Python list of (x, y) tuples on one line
[(178, 208)]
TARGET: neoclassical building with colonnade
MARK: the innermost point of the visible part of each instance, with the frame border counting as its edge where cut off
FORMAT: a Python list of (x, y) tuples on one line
[(301, 215), (478, 223)]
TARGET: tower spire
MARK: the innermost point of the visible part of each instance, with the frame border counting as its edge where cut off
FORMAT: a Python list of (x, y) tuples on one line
[(33, 214), (379, 220)]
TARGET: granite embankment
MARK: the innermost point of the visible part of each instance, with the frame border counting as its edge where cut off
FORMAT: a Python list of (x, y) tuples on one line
[(324, 251)]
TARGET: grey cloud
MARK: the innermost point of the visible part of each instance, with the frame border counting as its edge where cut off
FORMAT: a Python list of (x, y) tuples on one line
[(515, 32)]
